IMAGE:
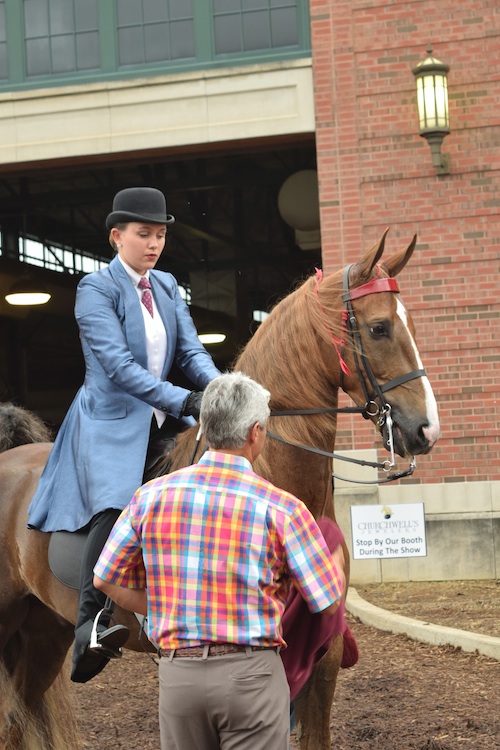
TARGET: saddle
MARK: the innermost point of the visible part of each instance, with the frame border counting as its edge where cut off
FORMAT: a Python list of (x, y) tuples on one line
[(65, 559), (66, 547), (65, 556)]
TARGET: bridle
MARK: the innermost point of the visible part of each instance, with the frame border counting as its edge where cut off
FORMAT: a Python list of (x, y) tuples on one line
[(371, 388)]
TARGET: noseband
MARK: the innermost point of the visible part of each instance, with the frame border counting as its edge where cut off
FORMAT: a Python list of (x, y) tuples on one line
[(371, 388)]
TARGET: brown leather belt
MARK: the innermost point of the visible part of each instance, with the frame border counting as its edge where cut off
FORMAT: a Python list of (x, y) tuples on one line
[(213, 649)]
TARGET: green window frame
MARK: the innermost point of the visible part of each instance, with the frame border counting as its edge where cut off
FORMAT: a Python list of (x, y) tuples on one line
[(154, 31), (60, 36), (67, 42), (4, 65), (242, 26)]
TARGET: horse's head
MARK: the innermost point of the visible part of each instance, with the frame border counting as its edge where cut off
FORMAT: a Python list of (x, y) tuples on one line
[(383, 362)]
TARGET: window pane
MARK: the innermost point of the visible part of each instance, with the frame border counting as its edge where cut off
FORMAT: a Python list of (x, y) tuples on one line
[(37, 57), (61, 16), (255, 4), (182, 40), (36, 18), (284, 30), (180, 9), (155, 11), (86, 16), (223, 6), (3, 35), (156, 43), (256, 33), (4, 68), (128, 12), (227, 34), (88, 54), (130, 46), (63, 54)]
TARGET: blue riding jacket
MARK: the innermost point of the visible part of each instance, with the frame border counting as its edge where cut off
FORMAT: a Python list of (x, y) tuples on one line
[(98, 457)]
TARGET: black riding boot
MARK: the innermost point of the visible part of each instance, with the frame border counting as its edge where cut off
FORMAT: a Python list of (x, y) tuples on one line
[(87, 664)]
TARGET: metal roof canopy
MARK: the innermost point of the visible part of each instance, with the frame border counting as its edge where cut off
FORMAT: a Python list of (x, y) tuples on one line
[(229, 243)]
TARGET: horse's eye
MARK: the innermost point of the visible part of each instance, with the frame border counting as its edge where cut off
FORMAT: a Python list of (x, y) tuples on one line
[(378, 330)]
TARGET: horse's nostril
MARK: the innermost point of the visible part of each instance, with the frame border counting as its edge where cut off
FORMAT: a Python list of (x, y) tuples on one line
[(430, 434)]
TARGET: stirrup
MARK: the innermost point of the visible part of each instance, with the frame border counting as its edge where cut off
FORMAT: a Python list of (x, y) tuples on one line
[(94, 643)]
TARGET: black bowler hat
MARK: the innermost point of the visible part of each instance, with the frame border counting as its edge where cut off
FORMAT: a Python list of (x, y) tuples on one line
[(139, 204)]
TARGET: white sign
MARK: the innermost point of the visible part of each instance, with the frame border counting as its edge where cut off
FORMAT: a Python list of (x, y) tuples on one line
[(388, 531)]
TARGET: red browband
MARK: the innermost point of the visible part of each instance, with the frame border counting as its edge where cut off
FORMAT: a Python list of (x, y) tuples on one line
[(374, 286)]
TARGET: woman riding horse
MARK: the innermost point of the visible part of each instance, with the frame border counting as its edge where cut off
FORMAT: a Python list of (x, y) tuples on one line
[(119, 416)]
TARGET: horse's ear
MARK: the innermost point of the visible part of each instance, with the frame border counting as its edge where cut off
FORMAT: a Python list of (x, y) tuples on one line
[(372, 257), (395, 263)]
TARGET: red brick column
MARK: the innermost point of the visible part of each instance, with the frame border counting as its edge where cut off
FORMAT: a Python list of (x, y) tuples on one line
[(375, 171)]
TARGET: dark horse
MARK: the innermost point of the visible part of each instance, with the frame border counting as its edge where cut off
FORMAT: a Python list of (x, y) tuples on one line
[(19, 426), (346, 330)]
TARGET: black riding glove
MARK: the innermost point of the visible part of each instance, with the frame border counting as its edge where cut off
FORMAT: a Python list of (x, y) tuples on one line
[(192, 405)]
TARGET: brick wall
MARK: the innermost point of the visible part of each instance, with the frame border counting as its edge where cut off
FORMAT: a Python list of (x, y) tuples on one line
[(376, 171)]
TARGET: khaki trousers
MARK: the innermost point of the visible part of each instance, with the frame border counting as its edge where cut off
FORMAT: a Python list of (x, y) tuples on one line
[(239, 700)]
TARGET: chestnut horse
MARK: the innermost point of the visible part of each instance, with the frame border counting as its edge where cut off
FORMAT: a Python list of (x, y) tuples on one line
[(346, 330)]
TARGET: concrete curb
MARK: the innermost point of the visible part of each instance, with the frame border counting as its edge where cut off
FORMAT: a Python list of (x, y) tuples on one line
[(427, 632)]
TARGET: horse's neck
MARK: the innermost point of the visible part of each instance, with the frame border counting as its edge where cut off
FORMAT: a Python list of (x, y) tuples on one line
[(287, 362), (290, 465), (294, 353)]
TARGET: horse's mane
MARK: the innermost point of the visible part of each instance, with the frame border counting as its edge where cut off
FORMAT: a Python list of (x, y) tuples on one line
[(287, 353), (292, 354), (19, 426)]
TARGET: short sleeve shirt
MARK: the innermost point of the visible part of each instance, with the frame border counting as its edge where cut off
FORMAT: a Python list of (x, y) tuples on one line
[(217, 547)]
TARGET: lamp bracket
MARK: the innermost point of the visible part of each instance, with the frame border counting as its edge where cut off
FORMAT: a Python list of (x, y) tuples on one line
[(444, 165), (440, 161)]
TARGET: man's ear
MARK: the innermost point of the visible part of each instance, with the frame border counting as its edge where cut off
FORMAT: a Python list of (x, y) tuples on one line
[(253, 433)]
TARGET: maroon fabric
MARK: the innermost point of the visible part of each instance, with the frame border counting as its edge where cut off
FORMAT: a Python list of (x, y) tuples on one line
[(309, 635), (351, 654)]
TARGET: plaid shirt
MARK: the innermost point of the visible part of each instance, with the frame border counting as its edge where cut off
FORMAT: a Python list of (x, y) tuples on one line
[(217, 546)]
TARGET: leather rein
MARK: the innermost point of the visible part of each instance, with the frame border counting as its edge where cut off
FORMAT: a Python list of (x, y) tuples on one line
[(372, 389)]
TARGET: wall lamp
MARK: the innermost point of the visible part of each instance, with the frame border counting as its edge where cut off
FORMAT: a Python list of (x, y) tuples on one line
[(27, 292), (432, 101)]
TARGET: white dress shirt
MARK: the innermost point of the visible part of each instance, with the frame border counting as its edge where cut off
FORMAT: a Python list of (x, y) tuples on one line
[(156, 336)]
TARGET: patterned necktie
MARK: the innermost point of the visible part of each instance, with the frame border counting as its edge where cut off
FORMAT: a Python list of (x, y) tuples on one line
[(146, 299)]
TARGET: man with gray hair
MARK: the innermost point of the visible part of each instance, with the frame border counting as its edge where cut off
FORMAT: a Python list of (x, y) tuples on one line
[(219, 548), (233, 405)]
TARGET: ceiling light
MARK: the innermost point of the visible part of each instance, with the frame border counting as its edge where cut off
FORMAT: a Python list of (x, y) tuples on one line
[(212, 338), (27, 292)]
